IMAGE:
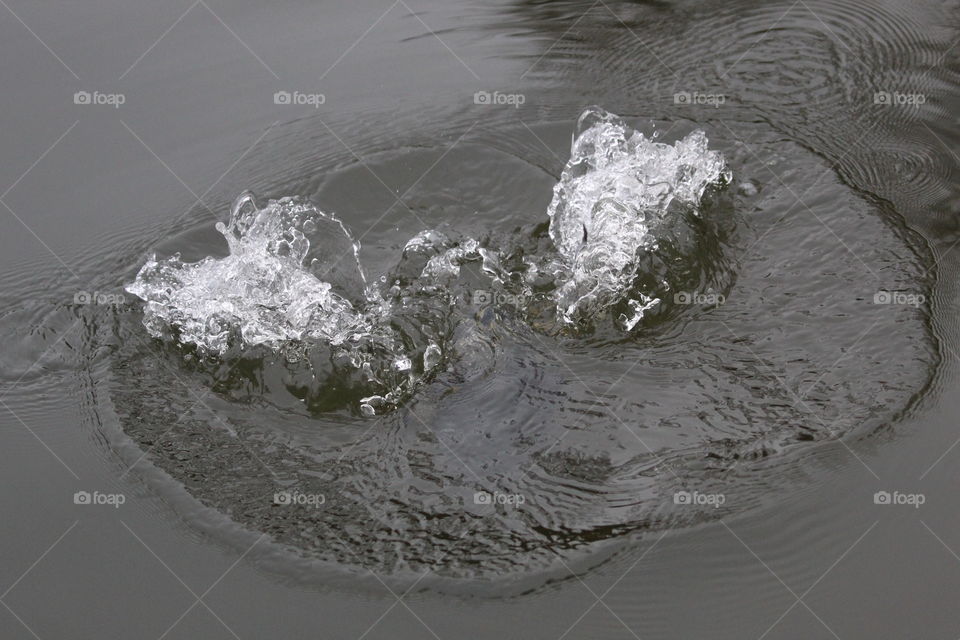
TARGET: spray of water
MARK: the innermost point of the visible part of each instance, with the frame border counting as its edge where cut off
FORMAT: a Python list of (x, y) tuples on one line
[(293, 274), (616, 196)]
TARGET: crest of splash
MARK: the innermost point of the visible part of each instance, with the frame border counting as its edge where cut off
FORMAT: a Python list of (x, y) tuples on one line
[(273, 288), (292, 277), (616, 192)]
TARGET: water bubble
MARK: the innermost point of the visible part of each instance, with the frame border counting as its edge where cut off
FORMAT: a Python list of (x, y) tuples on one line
[(431, 357)]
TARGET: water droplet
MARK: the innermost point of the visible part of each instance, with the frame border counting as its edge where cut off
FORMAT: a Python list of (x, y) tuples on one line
[(431, 357)]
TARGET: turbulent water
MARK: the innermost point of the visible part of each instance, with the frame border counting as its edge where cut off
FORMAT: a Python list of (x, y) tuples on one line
[(622, 195), (502, 404), (293, 283)]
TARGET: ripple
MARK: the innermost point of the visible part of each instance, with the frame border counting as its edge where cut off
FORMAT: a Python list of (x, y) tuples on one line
[(584, 440), (812, 71)]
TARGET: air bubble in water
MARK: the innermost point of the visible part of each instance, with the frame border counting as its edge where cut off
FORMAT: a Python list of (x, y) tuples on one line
[(431, 357)]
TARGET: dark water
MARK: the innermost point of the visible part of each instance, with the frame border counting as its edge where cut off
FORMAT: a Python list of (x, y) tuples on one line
[(794, 401)]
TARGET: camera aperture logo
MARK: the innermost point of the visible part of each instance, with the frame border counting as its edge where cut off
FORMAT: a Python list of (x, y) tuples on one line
[(698, 297), (96, 297), (897, 498), (485, 298), (714, 500), (299, 498), (500, 99), (505, 499), (895, 98), (299, 98), (899, 298), (686, 98), (97, 98), (97, 498)]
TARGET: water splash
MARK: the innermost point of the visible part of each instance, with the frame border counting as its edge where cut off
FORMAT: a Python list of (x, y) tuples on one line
[(519, 412), (615, 196), (293, 283), (291, 272)]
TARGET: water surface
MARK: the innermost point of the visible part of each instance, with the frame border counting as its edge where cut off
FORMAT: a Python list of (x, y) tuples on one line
[(797, 398)]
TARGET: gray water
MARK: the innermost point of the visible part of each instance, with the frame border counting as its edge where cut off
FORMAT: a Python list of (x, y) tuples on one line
[(790, 407)]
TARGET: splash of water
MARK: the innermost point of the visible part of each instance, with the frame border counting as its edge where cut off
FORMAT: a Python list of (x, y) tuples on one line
[(290, 275), (617, 193), (293, 276)]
